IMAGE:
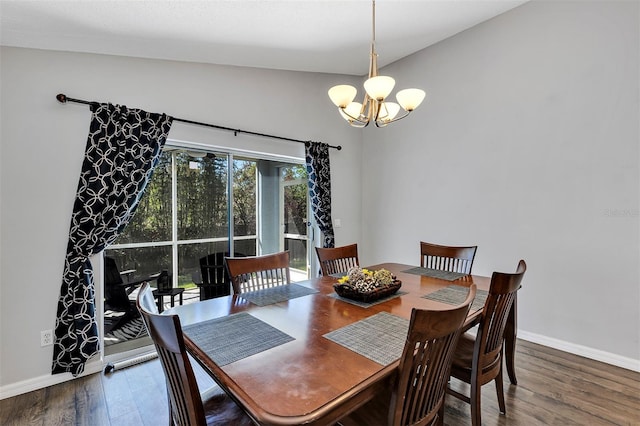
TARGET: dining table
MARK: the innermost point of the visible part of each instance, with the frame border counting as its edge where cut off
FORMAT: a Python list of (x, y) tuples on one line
[(301, 354)]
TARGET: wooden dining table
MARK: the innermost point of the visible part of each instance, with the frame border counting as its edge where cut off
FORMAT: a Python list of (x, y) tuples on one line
[(308, 379)]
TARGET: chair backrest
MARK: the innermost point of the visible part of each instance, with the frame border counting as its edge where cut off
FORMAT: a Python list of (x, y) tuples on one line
[(164, 281), (337, 259), (212, 268), (426, 363), (114, 293), (182, 388), (447, 258), (502, 293), (258, 272)]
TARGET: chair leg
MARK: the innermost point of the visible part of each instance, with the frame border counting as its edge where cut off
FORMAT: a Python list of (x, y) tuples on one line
[(500, 392), (440, 418), (170, 406), (475, 404)]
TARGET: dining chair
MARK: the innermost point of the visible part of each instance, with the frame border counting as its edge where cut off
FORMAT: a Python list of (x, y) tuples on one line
[(186, 405), (253, 273), (334, 260), (447, 258), (478, 359), (417, 397)]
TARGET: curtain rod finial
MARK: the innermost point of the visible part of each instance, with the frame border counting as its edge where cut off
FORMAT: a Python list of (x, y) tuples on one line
[(62, 98)]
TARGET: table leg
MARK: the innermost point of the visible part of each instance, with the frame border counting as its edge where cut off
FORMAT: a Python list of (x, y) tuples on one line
[(510, 332), (160, 303)]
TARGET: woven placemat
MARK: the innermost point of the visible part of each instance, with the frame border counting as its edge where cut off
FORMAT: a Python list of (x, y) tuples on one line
[(269, 296), (234, 337), (380, 337), (456, 294), (367, 304), (436, 273)]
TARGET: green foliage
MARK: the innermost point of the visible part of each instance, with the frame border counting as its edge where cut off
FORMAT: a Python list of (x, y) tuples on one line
[(244, 197), (202, 212)]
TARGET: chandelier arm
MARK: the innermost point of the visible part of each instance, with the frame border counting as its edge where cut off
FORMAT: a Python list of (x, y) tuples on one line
[(344, 111), (394, 120), (371, 109), (378, 108)]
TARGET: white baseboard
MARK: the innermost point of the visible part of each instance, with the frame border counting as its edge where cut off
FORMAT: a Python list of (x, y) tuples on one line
[(587, 352), (36, 383), (41, 382), (44, 381)]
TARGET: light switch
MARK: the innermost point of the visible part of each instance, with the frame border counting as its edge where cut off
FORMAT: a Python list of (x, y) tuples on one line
[(338, 223)]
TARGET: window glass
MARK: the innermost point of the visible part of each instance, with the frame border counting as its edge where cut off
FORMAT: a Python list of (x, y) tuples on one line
[(244, 197), (152, 218), (294, 184), (201, 196), (189, 256), (141, 262), (297, 253)]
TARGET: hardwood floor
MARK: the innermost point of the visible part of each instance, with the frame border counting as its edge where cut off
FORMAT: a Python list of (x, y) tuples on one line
[(554, 388)]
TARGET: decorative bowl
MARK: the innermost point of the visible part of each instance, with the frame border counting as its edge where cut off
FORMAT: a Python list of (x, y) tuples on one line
[(349, 292)]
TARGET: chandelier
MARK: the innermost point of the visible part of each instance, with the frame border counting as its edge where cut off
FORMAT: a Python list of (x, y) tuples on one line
[(377, 88)]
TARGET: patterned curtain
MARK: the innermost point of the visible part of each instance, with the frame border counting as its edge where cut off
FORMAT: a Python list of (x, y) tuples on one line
[(123, 147), (318, 171)]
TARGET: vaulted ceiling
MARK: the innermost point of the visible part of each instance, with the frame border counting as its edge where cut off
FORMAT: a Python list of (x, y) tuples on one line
[(320, 36)]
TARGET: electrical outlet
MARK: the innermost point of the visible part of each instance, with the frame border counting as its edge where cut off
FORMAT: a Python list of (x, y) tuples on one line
[(46, 338)]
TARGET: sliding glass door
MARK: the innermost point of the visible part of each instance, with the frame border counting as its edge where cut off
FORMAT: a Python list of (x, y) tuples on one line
[(294, 218), (185, 214)]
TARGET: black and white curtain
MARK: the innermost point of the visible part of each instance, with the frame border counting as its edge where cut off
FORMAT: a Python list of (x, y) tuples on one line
[(123, 147), (319, 175)]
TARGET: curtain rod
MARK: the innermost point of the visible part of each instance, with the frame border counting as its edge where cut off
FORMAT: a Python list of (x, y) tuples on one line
[(62, 98)]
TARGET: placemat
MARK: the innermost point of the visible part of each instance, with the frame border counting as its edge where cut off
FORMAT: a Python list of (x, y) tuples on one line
[(234, 337), (455, 295), (269, 296), (367, 304), (436, 273), (380, 337)]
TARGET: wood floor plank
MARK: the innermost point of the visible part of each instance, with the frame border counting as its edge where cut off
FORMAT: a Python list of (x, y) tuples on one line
[(594, 394), (60, 404), (554, 388), (27, 409), (90, 402), (602, 371), (118, 397), (149, 394)]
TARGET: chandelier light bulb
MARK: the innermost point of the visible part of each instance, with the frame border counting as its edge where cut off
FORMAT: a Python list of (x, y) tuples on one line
[(342, 95), (410, 99), (351, 111), (379, 87), (388, 111)]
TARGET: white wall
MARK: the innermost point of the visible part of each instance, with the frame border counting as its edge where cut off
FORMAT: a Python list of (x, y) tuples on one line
[(527, 145), (43, 143)]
